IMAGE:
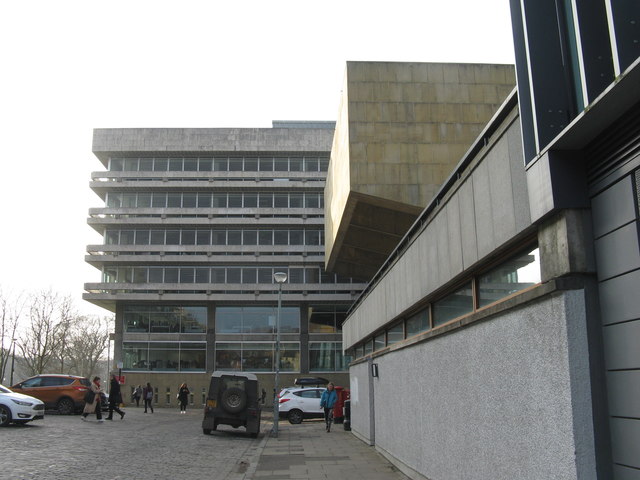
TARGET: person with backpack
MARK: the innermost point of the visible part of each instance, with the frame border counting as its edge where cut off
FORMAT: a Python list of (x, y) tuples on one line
[(147, 395)]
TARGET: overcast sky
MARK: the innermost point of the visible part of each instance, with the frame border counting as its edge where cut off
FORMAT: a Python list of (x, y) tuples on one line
[(68, 67)]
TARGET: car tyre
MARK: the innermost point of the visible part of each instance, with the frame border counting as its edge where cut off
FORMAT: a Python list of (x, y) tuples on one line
[(5, 416), (66, 406), (234, 400), (295, 416)]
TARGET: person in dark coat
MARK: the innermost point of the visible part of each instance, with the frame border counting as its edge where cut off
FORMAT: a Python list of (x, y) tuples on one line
[(115, 397), (183, 397), (147, 396)]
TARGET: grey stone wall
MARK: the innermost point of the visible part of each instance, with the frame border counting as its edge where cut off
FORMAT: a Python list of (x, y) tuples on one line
[(507, 398)]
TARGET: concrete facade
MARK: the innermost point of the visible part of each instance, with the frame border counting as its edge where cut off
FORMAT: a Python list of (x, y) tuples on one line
[(401, 129), (195, 222)]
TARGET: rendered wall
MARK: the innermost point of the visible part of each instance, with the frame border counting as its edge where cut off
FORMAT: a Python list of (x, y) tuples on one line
[(505, 398)]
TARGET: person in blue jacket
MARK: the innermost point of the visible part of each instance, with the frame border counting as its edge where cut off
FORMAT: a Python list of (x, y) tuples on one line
[(328, 401)]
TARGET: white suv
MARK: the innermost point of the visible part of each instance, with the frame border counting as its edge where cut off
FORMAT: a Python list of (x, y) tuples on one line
[(298, 403)]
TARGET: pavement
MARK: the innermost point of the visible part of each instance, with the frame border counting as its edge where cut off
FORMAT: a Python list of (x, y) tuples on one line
[(307, 451)]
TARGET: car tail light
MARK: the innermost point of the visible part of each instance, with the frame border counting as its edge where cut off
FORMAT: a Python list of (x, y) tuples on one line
[(82, 388), (282, 400)]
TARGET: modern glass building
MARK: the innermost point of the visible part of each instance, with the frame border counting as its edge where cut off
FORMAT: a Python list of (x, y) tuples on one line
[(195, 223)]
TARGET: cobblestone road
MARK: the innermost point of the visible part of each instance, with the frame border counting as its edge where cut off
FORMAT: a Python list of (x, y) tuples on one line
[(161, 445)]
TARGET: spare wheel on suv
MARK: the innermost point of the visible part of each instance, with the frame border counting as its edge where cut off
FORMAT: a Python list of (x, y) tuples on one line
[(233, 400)]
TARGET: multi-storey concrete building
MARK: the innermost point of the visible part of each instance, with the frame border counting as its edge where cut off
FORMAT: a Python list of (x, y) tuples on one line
[(195, 224)]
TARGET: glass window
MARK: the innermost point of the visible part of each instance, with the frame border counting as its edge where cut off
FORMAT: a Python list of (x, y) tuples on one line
[(129, 200), (171, 275), (281, 164), (311, 200), (157, 237), (322, 357), (194, 319), (312, 275), (395, 334), (155, 274), (203, 237), (115, 164), (310, 164), (295, 164), (265, 237), (140, 275), (235, 200), (289, 356), (228, 319), (218, 237), (265, 275), (135, 355), (187, 275), (322, 319), (249, 275), (221, 164), (173, 237), (160, 164), (518, 273), (130, 164), (418, 323), (266, 164), (127, 237), (234, 237), (165, 320), (257, 357), (296, 200), (159, 200), (205, 164), (111, 237), (453, 305), (324, 164), (265, 200), (233, 274), (312, 237), (202, 275), (175, 164), (250, 164), (229, 356), (144, 200), (136, 321), (235, 164), (379, 342), (281, 237), (204, 200), (114, 199), (296, 275), (218, 275), (163, 356), (219, 200), (193, 357), (342, 361), (190, 164), (188, 237), (368, 347), (174, 200), (146, 165), (289, 320), (281, 200), (249, 237), (296, 237), (189, 200), (250, 200)]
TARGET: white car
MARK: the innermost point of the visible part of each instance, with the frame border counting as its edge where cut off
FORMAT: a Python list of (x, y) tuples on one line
[(298, 403), (18, 408)]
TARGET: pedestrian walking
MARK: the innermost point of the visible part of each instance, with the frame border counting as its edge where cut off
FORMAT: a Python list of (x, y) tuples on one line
[(137, 395), (95, 405), (115, 398), (327, 401), (147, 393), (183, 397)]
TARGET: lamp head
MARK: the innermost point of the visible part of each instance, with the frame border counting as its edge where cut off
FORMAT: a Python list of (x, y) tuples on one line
[(280, 277)]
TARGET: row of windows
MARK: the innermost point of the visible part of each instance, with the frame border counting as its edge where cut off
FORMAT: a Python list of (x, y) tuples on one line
[(215, 200), (311, 237), (221, 164), (231, 356), (231, 319), (239, 274), (518, 273)]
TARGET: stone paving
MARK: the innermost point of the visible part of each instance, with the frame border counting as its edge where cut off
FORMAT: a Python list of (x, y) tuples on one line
[(168, 445)]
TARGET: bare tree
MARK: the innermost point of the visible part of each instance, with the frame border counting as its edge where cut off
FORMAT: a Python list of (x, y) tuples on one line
[(40, 340), (10, 310), (86, 343)]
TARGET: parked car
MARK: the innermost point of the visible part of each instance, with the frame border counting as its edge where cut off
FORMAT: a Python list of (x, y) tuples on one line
[(18, 408), (64, 393), (299, 403), (232, 400)]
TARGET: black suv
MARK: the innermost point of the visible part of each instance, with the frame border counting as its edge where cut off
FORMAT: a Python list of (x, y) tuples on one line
[(233, 400)]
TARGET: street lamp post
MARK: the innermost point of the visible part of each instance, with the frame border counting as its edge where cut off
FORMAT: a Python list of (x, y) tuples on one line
[(280, 278), (13, 360)]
